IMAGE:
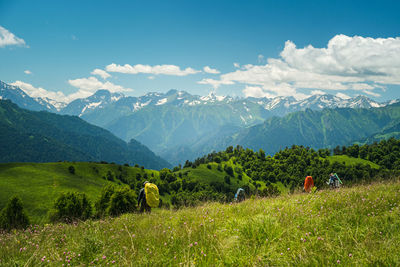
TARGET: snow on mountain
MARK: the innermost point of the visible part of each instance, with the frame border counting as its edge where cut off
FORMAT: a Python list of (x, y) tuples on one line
[(100, 99), (22, 99)]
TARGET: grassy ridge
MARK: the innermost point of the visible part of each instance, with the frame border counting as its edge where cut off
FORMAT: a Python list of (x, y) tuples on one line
[(351, 226), (352, 161)]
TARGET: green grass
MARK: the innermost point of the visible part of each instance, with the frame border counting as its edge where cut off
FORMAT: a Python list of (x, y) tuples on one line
[(39, 184), (352, 161), (354, 226)]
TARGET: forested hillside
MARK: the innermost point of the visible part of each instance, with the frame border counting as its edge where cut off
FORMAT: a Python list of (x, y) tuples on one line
[(28, 136), (317, 129)]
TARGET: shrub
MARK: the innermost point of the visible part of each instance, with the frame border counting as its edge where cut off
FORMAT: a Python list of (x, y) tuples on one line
[(115, 201), (104, 200), (13, 215), (122, 201), (70, 207), (71, 169)]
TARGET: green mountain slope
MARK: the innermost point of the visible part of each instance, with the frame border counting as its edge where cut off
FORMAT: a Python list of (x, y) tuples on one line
[(43, 137), (166, 127), (317, 129)]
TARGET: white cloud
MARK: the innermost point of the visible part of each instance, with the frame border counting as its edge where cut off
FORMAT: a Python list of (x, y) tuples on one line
[(27, 72), (39, 91), (155, 70), (260, 58), (371, 93), (103, 74), (347, 63), (86, 86), (255, 91), (317, 92), (236, 65), (215, 83), (151, 77), (90, 85), (8, 38), (344, 96), (207, 69)]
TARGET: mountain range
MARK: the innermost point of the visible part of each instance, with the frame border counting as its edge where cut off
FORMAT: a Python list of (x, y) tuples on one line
[(32, 136), (179, 126)]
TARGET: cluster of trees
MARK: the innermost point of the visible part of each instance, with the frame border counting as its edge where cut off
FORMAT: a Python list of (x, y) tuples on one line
[(113, 201), (386, 153), (289, 166)]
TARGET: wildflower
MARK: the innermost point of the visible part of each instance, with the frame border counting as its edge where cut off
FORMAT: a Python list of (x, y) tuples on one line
[(288, 249), (338, 261), (191, 245), (350, 255), (113, 262), (133, 235), (281, 253), (195, 243)]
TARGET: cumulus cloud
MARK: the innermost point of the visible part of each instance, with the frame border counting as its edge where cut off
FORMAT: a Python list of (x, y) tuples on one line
[(347, 63), (27, 72), (255, 91), (7, 38), (236, 65), (155, 70), (92, 84), (207, 69), (103, 74), (86, 86), (39, 91)]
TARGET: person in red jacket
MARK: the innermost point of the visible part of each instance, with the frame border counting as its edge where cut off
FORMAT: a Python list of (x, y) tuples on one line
[(308, 184)]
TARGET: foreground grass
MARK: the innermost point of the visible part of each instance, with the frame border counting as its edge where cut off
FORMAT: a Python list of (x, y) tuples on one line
[(350, 226)]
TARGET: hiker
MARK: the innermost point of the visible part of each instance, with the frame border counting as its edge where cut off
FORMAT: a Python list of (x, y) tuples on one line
[(240, 195), (148, 197), (334, 181), (308, 184)]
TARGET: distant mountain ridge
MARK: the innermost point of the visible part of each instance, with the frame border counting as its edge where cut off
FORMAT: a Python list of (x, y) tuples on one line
[(179, 126), (31, 136)]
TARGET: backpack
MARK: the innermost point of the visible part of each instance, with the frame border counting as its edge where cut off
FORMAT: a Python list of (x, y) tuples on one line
[(152, 195)]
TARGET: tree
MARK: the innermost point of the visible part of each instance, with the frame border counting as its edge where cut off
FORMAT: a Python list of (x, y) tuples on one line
[(13, 215)]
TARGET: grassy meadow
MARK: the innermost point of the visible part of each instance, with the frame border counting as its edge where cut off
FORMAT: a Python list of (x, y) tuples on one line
[(39, 184), (349, 226)]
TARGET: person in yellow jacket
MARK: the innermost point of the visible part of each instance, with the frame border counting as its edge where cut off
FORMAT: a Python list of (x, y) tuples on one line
[(142, 200)]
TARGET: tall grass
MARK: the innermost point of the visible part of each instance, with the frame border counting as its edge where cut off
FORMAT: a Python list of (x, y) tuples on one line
[(350, 226)]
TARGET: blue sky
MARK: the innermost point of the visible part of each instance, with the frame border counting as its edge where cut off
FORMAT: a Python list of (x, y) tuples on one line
[(167, 44)]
